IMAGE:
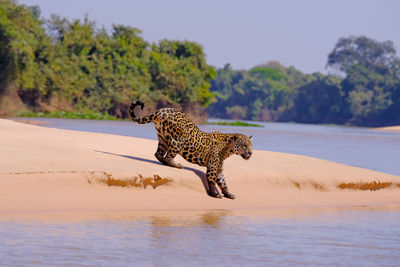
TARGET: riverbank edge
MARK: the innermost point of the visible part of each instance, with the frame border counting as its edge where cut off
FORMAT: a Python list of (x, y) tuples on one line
[(47, 169)]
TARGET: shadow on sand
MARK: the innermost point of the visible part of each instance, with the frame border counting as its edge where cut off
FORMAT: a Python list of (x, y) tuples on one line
[(200, 174)]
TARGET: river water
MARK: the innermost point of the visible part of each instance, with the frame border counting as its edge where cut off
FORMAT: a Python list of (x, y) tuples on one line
[(352, 236)]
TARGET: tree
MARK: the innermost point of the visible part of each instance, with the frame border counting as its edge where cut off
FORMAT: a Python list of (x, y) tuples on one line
[(320, 101), (392, 114), (363, 51), (180, 74), (371, 70), (21, 41), (73, 65), (265, 92)]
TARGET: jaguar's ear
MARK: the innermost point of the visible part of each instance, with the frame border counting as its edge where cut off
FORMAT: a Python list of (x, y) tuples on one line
[(250, 136), (234, 138)]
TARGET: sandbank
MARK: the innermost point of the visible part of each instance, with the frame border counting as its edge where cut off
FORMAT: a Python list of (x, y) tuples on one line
[(53, 170), (388, 129)]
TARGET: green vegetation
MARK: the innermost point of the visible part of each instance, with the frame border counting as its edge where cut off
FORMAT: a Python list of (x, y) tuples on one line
[(235, 123), (364, 91), (63, 68), (89, 115), (61, 65)]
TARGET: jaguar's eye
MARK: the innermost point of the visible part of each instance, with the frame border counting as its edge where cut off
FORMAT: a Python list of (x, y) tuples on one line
[(244, 146)]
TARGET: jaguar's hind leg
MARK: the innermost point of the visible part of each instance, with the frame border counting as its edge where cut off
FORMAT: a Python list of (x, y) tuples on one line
[(160, 153), (161, 150), (166, 152), (173, 149)]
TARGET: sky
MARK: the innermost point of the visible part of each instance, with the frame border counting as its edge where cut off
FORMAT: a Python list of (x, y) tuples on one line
[(245, 33)]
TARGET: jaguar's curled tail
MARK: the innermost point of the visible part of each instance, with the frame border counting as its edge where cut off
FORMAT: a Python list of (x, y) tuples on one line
[(140, 120)]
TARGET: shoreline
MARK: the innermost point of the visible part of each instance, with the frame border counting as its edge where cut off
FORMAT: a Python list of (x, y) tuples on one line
[(184, 216), (209, 121), (387, 129), (53, 170)]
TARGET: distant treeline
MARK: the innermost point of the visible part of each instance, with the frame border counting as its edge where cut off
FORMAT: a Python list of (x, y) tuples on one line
[(364, 91), (73, 66), (57, 64)]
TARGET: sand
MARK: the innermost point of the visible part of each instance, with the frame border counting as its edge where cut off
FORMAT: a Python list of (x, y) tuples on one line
[(388, 129), (44, 169)]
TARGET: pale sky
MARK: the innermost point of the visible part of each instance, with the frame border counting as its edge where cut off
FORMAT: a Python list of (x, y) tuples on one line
[(245, 33)]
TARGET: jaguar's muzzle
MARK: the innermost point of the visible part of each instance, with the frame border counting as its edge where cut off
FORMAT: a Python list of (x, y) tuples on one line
[(246, 155)]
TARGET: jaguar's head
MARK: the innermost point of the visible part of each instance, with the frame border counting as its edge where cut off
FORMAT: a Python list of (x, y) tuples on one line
[(242, 145)]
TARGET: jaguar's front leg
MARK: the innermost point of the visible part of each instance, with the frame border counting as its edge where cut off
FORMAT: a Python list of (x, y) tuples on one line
[(224, 188), (211, 179), (213, 191)]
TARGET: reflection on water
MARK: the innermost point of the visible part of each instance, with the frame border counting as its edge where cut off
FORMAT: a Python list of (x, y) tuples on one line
[(360, 147), (337, 237)]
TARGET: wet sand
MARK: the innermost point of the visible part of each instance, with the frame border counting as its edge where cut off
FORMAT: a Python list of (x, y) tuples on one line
[(43, 169)]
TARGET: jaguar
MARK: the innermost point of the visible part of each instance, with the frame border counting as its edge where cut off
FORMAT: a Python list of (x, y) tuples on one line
[(177, 134)]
